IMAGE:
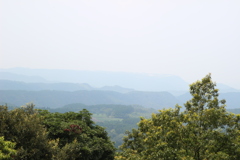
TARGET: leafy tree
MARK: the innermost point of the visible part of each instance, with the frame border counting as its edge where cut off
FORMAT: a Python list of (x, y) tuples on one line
[(77, 135), (7, 151), (39, 134), (204, 130), (23, 127)]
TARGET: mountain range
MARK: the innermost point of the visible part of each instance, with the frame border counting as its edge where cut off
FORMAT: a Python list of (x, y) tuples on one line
[(56, 88), (136, 81), (97, 79)]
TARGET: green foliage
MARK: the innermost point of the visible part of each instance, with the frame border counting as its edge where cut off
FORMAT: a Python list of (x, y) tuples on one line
[(7, 151), (205, 130), (39, 134), (23, 126), (105, 115), (77, 135)]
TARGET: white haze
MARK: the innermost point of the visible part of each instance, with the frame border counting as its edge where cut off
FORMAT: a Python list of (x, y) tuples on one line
[(187, 38)]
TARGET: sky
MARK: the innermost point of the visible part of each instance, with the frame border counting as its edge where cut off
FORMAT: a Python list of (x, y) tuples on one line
[(187, 38)]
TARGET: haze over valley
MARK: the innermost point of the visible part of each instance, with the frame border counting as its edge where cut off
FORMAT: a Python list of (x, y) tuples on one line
[(87, 79), (56, 88)]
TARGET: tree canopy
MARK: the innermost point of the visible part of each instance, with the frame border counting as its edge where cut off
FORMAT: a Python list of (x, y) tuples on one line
[(204, 130), (39, 134), (78, 136), (23, 126), (7, 150)]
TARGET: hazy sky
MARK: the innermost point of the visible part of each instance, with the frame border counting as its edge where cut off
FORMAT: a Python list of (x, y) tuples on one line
[(188, 38)]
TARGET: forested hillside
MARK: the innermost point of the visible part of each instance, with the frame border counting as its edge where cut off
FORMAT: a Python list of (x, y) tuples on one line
[(203, 129), (54, 99), (115, 118), (39, 134)]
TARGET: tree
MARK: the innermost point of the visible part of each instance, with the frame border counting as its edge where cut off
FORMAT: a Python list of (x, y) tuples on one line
[(78, 136), (7, 151), (204, 130), (39, 134), (23, 126)]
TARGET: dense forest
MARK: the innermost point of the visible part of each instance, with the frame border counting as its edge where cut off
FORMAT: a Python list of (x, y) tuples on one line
[(202, 129), (115, 118), (39, 134)]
